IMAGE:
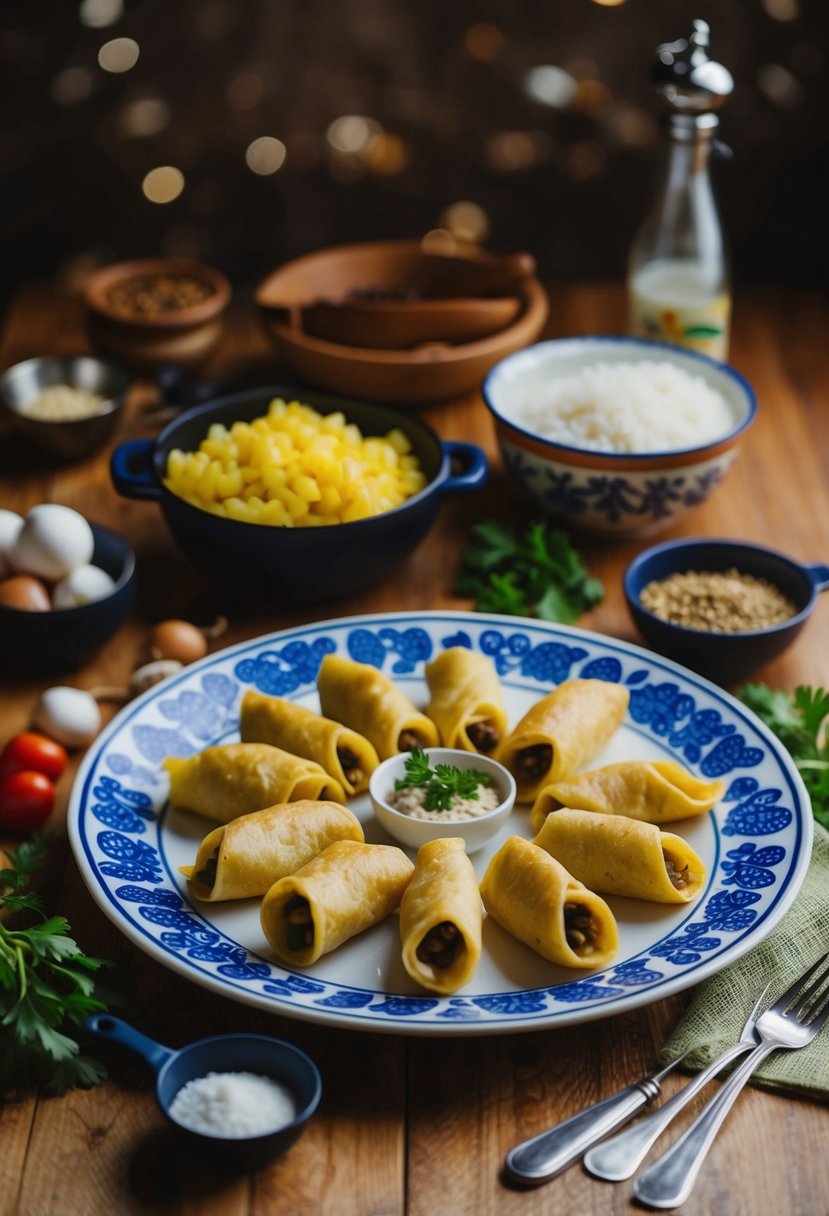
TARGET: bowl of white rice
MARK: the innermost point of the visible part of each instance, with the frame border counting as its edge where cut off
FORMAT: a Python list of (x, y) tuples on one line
[(616, 435)]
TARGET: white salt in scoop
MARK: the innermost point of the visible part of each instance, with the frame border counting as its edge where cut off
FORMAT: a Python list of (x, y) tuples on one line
[(242, 1097)]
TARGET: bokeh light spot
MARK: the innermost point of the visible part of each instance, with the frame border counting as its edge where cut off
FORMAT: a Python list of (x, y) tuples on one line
[(550, 85), (386, 155), (350, 133), (144, 117), (483, 41), (466, 221), (163, 185), (245, 91), (119, 55), (71, 86), (97, 14), (265, 155)]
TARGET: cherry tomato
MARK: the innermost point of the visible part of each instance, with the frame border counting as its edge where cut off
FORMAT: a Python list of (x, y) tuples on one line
[(26, 801), (34, 752)]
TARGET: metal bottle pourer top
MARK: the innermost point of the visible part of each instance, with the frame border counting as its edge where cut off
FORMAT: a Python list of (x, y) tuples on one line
[(685, 75)]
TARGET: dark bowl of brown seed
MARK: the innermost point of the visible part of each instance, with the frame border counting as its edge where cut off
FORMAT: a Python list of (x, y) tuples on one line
[(156, 311), (724, 608)]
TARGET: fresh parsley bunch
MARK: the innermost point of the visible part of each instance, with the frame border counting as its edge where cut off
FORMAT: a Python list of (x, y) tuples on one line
[(46, 987), (538, 574), (800, 722), (442, 783)]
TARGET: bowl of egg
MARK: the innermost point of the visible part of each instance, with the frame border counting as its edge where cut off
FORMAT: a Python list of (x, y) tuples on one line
[(66, 586), (617, 436), (296, 501)]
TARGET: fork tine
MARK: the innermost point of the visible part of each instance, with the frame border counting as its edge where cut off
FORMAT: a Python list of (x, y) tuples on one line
[(794, 991)]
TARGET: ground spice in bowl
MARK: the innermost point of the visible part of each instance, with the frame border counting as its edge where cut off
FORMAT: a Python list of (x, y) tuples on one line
[(725, 601), (150, 295)]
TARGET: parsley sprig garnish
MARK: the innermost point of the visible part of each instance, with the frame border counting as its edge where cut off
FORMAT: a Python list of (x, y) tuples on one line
[(46, 987), (538, 574), (801, 722), (442, 783)]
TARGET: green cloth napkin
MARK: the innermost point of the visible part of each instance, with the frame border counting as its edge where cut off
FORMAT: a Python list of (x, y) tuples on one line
[(715, 1018)]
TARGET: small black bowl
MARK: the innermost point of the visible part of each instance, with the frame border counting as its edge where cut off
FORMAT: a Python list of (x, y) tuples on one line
[(41, 643), (283, 565), (725, 658), (255, 1053), (64, 439)]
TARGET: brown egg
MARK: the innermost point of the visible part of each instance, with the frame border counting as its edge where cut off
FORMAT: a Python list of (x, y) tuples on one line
[(25, 592), (178, 640)]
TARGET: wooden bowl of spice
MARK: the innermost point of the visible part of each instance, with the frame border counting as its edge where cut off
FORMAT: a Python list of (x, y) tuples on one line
[(722, 607), (154, 311)]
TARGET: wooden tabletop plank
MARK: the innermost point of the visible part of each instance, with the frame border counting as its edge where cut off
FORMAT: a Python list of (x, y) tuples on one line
[(412, 1125)]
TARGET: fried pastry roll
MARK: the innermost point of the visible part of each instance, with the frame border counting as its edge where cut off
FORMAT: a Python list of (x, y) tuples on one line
[(534, 898), (248, 855), (621, 856), (466, 703), (655, 791), (367, 701), (345, 889), (561, 732), (440, 917), (232, 779), (344, 754)]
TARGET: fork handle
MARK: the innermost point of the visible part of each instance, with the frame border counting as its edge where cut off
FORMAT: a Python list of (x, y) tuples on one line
[(543, 1156), (620, 1156), (670, 1180)]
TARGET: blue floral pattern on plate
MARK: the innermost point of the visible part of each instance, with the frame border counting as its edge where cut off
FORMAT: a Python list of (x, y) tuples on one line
[(759, 843)]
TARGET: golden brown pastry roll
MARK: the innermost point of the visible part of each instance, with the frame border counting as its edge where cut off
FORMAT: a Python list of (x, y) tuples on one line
[(246, 856), (345, 889), (232, 779), (364, 699), (546, 908), (655, 791), (561, 732), (621, 856), (466, 703), (344, 754), (440, 917)]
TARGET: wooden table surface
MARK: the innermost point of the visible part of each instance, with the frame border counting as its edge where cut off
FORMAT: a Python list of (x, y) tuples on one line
[(414, 1125)]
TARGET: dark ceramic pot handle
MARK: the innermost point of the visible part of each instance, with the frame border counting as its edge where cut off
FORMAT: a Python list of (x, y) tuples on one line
[(473, 464), (131, 467), (104, 1026), (818, 575)]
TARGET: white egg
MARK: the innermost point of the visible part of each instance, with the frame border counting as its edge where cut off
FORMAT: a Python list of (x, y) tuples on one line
[(67, 714), (81, 586), (10, 525), (52, 541)]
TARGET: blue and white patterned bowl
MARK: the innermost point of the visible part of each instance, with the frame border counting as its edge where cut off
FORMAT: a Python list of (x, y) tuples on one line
[(611, 493)]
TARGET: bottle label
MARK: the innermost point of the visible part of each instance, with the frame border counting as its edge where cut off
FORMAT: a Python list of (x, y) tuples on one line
[(701, 326)]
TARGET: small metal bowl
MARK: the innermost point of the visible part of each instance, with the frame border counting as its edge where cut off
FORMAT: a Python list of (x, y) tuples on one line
[(415, 832), (64, 439), (725, 658)]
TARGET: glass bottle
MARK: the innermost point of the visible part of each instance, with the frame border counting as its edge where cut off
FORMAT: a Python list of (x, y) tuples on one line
[(678, 271)]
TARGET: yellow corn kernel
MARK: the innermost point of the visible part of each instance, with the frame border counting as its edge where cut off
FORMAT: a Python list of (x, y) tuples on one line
[(306, 488)]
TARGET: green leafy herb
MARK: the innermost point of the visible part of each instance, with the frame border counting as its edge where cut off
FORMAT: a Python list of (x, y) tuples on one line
[(442, 783), (538, 574), (800, 722), (46, 987)]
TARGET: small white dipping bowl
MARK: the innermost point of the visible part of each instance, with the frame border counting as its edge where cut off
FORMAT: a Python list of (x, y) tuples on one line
[(415, 832)]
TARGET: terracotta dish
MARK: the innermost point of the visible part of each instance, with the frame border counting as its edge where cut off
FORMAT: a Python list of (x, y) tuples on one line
[(136, 313), (434, 370)]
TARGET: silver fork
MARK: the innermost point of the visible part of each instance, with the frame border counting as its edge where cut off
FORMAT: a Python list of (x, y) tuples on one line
[(791, 1022), (621, 1156)]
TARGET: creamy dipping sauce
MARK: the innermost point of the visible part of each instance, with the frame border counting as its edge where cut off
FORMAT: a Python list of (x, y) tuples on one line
[(411, 801)]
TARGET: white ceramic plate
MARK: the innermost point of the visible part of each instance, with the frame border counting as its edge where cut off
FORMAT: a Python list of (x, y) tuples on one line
[(129, 844)]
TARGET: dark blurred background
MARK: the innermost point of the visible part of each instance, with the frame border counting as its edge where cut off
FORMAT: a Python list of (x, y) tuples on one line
[(245, 132)]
